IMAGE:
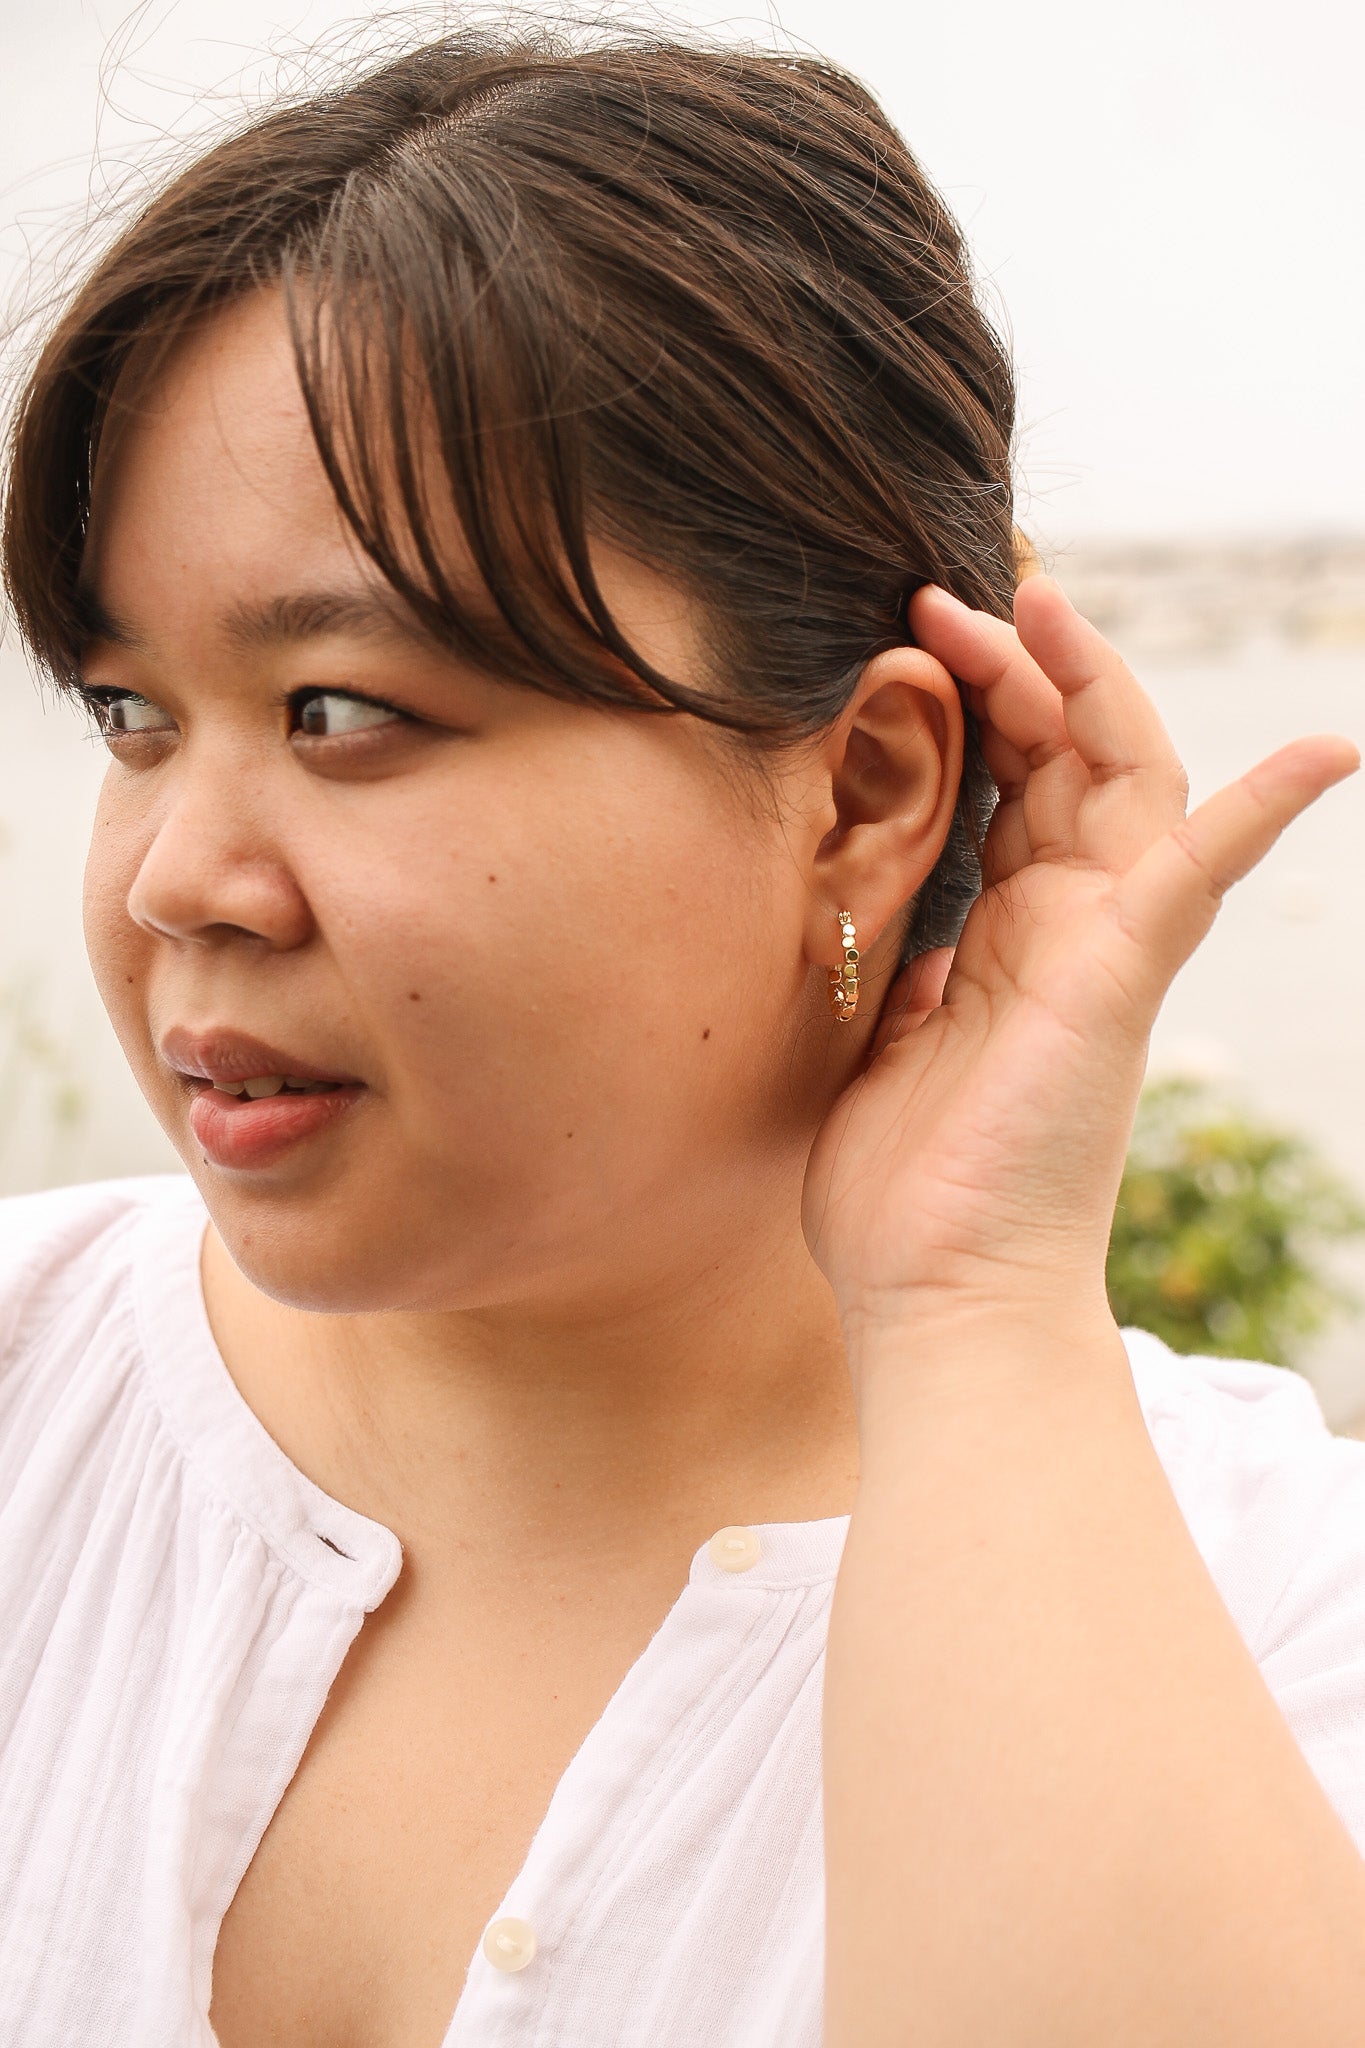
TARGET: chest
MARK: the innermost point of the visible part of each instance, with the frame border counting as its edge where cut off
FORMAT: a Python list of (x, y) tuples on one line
[(411, 1812)]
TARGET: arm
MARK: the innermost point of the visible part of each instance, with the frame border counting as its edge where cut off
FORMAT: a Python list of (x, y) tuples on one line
[(1062, 1808), (1061, 1805)]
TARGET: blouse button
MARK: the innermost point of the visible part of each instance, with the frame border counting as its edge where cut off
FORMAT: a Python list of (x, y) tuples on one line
[(735, 1550), (509, 1944)]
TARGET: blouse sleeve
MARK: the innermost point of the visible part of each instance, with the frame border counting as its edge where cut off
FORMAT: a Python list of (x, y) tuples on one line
[(1276, 1504)]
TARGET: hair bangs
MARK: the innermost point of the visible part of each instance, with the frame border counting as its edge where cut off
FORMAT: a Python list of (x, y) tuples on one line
[(454, 424)]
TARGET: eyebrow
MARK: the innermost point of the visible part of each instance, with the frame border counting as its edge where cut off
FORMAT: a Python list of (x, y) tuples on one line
[(313, 614), (276, 621)]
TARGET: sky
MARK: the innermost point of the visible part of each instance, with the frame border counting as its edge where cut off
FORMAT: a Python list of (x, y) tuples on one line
[(1166, 203)]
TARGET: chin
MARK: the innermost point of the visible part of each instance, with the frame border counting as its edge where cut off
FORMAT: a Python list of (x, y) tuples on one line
[(339, 1254)]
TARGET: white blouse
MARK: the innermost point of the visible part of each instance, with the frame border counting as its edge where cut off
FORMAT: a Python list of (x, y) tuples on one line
[(176, 1598)]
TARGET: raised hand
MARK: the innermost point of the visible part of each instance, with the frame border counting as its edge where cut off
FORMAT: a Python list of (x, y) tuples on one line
[(977, 1156)]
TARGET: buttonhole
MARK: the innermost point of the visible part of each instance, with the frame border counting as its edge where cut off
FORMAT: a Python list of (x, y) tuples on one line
[(334, 1546)]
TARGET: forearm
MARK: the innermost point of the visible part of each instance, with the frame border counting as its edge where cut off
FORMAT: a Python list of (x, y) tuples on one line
[(1061, 1806)]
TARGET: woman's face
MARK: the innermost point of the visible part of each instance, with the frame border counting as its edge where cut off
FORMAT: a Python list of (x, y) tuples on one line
[(557, 954)]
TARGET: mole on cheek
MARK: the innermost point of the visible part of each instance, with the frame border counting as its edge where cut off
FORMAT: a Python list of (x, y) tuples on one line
[(707, 1032), (492, 878), (414, 995)]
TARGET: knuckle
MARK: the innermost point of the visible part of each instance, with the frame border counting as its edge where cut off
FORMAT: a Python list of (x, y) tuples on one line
[(1106, 772), (1186, 842), (1045, 752)]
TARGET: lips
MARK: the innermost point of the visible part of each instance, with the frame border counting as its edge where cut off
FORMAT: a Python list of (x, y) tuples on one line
[(243, 1113), (240, 1135), (230, 1058)]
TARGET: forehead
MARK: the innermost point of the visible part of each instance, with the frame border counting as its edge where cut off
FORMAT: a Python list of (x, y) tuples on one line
[(213, 426)]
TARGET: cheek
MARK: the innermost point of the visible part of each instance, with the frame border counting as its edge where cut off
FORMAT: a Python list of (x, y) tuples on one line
[(117, 952), (556, 968)]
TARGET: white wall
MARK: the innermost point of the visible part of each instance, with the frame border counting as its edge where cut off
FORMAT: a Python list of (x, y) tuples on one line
[(1167, 199)]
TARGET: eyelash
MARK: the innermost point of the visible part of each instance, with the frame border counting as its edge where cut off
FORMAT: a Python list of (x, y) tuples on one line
[(97, 701)]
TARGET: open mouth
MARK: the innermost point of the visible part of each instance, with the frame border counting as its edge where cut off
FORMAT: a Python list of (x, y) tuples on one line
[(248, 1105), (262, 1085)]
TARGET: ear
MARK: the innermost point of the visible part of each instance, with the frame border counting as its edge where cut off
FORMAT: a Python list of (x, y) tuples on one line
[(894, 766)]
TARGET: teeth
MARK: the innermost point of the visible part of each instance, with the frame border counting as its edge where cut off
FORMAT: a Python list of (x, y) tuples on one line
[(262, 1085)]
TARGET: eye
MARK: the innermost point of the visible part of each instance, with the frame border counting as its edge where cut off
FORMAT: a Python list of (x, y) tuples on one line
[(326, 714), (123, 711)]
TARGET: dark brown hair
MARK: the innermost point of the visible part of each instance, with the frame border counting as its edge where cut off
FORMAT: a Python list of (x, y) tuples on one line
[(699, 301)]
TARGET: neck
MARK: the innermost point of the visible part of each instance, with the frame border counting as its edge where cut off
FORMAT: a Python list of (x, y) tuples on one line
[(717, 1396)]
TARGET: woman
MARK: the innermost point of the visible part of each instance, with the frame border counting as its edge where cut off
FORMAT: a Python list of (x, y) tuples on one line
[(534, 532)]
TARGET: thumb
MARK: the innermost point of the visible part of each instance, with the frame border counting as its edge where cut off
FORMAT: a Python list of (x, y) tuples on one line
[(1167, 901)]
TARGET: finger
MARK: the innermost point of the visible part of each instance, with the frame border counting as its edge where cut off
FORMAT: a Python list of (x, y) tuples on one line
[(1006, 849), (1009, 768), (1047, 811), (929, 971), (1113, 725), (1015, 700), (1006, 684), (916, 991), (1166, 903)]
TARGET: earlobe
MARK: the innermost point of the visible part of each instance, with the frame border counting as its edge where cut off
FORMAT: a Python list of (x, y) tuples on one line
[(894, 762)]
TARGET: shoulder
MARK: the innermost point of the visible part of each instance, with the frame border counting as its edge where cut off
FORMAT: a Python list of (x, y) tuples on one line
[(1274, 1500), (1226, 1422), (1270, 1495), (72, 1373), (65, 1245), (1276, 1506)]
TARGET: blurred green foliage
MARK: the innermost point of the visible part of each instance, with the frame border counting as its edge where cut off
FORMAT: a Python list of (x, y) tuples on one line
[(34, 1061), (1221, 1227)]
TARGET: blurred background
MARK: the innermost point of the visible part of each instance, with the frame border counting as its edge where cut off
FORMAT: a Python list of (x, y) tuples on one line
[(1167, 207)]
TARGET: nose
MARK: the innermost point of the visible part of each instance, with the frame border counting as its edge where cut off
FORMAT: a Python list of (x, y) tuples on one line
[(214, 868)]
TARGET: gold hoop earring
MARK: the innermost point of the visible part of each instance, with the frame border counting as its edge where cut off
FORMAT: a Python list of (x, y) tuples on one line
[(843, 981)]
